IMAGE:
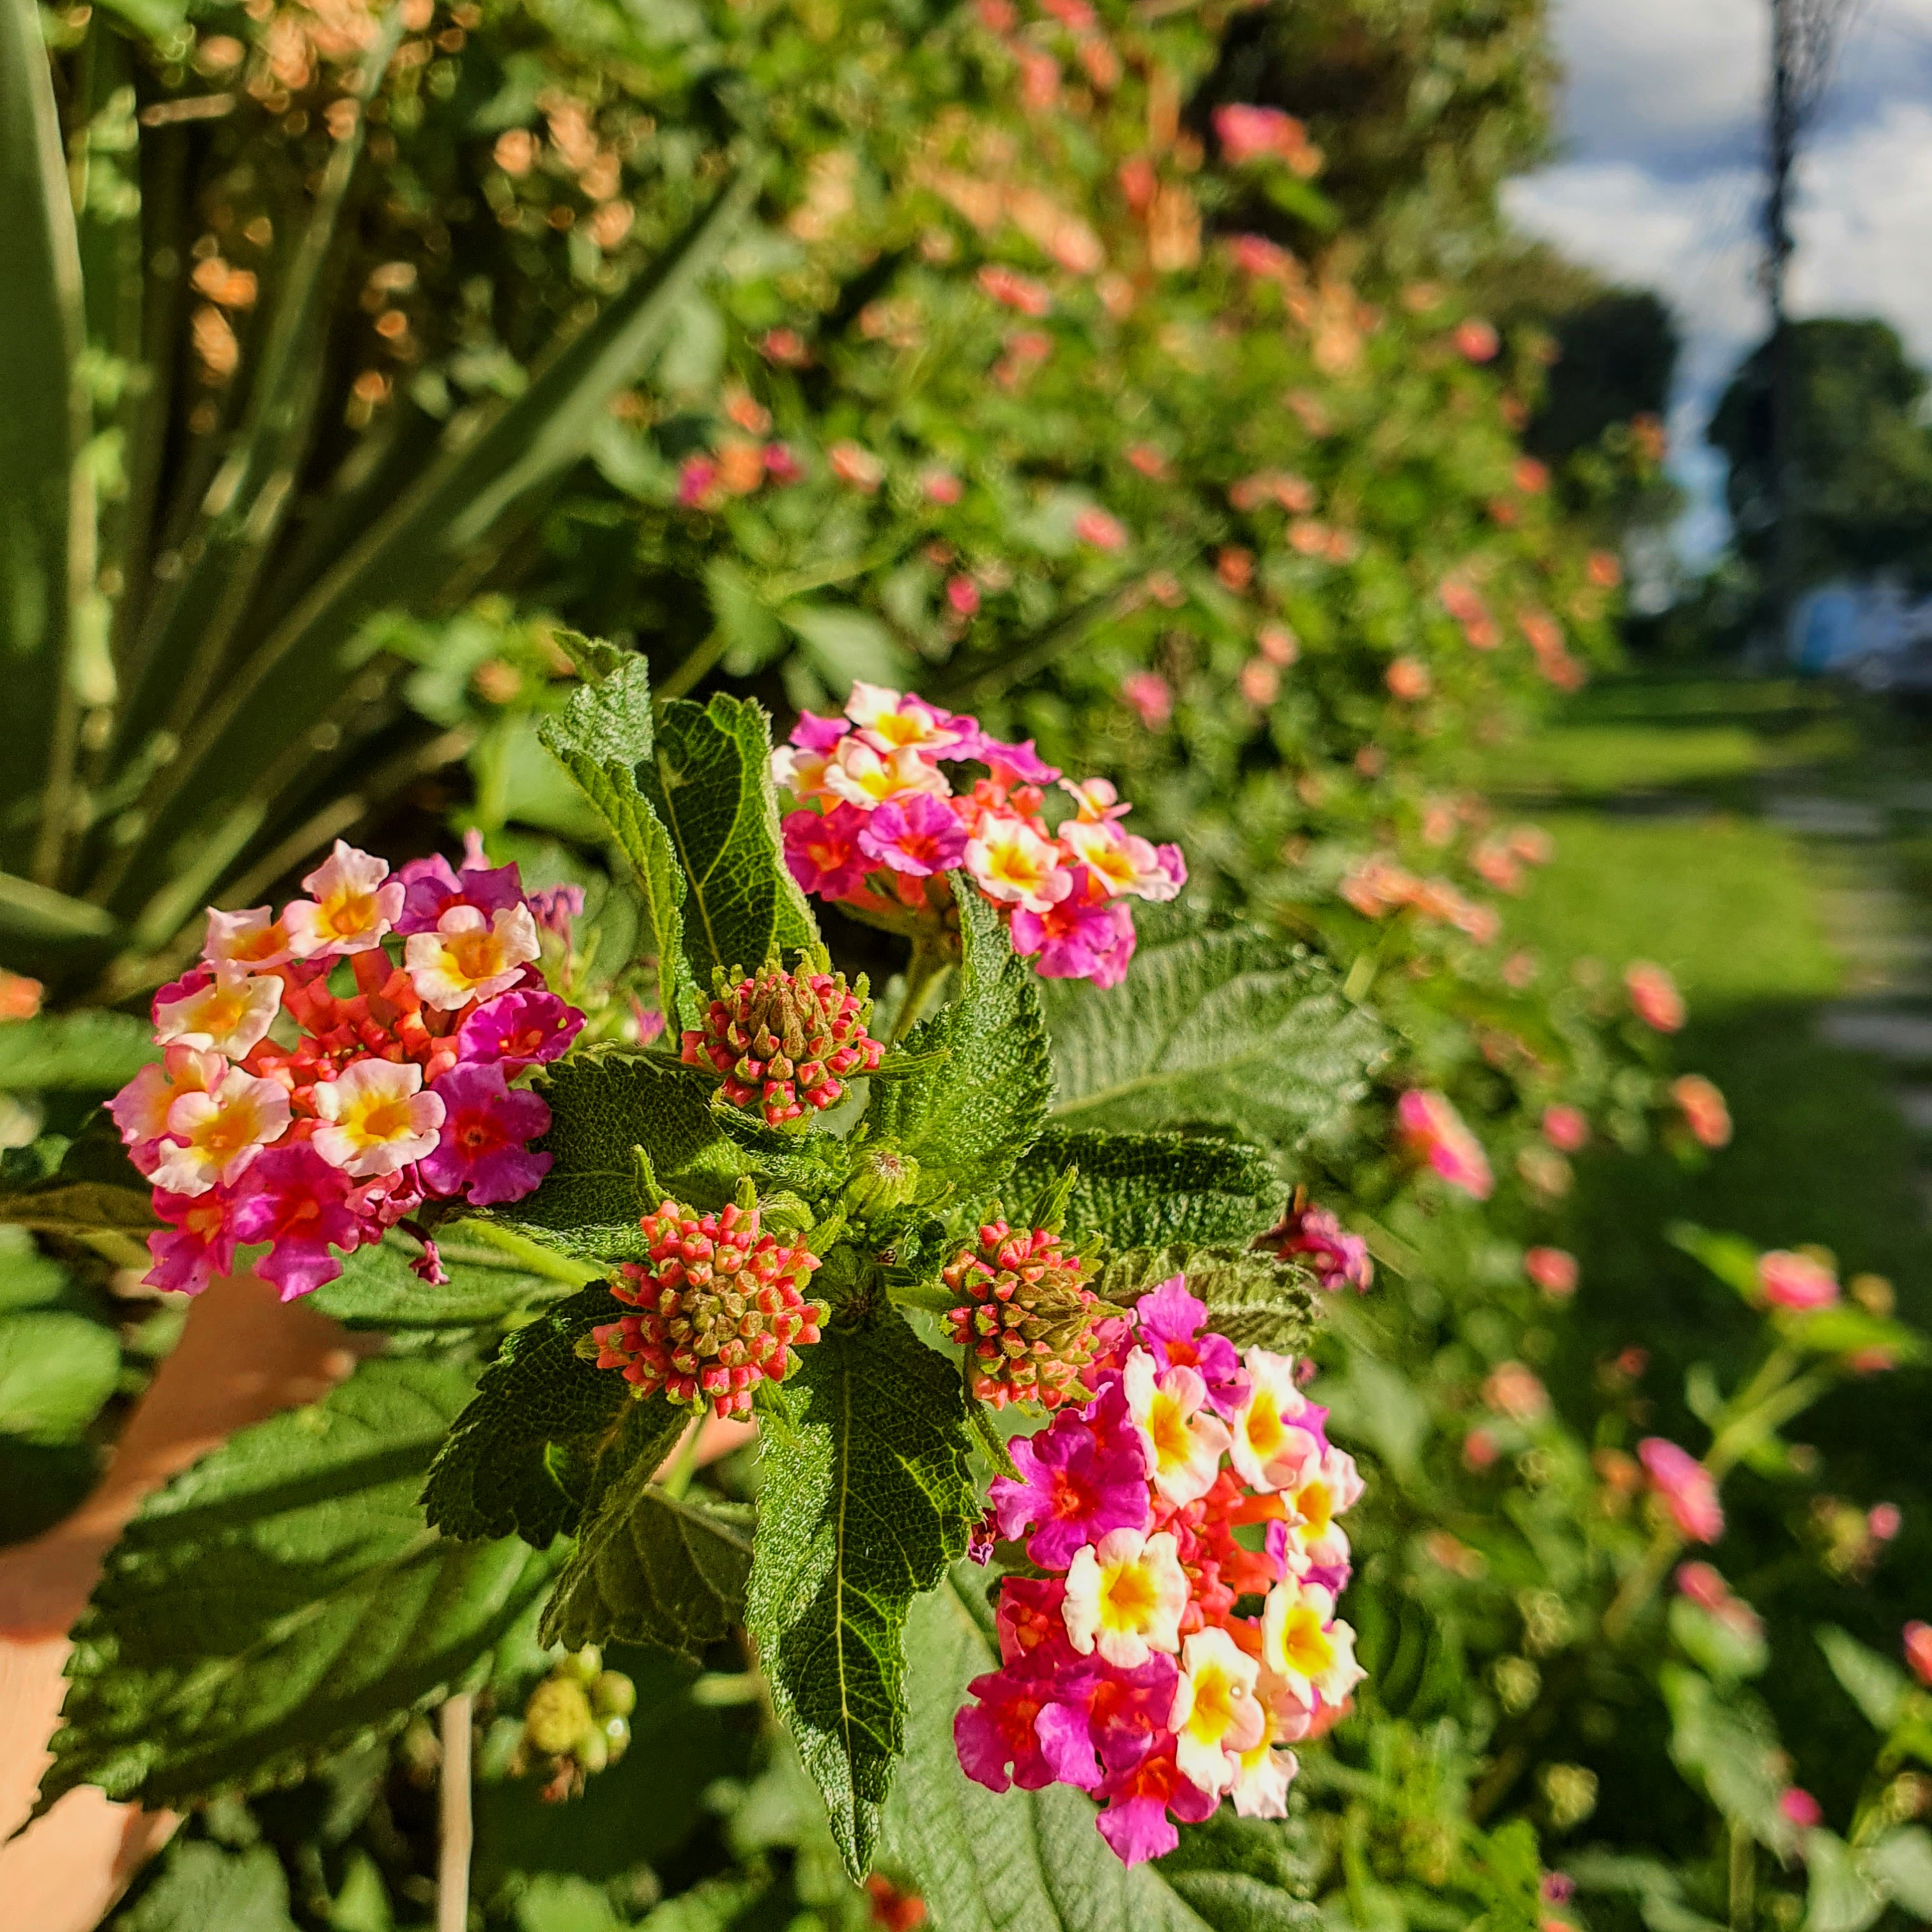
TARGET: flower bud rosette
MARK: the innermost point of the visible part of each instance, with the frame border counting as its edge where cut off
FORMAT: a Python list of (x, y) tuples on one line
[(1027, 1320), (720, 1306), (785, 1042)]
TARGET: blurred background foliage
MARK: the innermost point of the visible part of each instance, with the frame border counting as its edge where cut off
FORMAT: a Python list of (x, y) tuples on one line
[(982, 350)]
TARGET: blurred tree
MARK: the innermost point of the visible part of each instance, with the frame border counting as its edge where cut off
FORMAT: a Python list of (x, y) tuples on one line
[(1861, 451)]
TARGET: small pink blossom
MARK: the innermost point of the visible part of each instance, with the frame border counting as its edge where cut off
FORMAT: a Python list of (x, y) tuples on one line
[(1686, 1487), (298, 1203), (1150, 696), (1883, 1521), (482, 1153), (1084, 937), (856, 466), (1567, 1129), (1654, 996), (1801, 1807), (1795, 1281), (1476, 340), (198, 1244), (1703, 1108), (1434, 1131), (822, 852), (915, 834), (963, 594), (518, 1028), (355, 902), (1553, 1270), (942, 487), (1095, 526), (1918, 1641)]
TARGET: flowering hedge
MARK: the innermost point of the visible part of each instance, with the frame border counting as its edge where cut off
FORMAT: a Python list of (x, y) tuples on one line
[(1025, 366)]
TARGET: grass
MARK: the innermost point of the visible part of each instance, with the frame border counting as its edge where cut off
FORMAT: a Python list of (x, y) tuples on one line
[(1724, 902), (1737, 908)]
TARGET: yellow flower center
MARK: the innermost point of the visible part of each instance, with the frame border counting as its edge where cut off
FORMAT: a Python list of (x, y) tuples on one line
[(1127, 1598), (349, 912), (1305, 1644)]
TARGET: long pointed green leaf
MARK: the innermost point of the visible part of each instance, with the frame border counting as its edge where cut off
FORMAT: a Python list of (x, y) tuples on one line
[(406, 560), (46, 509), (190, 628)]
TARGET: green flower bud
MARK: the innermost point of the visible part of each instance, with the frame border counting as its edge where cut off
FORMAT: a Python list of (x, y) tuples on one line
[(886, 1179), (616, 1733), (558, 1714), (613, 1695), (592, 1751), (583, 1665)]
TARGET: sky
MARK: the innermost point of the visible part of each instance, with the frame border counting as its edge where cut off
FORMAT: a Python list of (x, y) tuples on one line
[(1659, 185)]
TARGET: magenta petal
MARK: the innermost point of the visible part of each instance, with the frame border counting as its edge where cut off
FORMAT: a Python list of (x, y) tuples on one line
[(1066, 1746), (1138, 1829)]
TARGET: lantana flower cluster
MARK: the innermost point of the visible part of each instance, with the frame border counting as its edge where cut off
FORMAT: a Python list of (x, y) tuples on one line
[(878, 820), (1179, 1630), (334, 1069)]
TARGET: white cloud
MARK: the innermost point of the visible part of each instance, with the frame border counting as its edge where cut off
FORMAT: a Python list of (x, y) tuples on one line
[(1663, 187)]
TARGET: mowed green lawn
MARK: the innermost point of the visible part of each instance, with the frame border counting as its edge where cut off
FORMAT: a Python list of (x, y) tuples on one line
[(1736, 908)]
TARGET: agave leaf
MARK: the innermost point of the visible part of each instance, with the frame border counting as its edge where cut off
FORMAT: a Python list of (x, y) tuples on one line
[(46, 519), (252, 740)]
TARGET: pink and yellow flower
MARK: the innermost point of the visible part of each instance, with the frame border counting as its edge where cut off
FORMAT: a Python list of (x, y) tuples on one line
[(254, 941), (889, 721), (377, 1117), (1010, 861), (1217, 1715), (228, 1015), (1795, 1281), (213, 1135), (355, 902), (1306, 1646), (470, 955), (1125, 1598), (1184, 1441), (1433, 1132), (1685, 1486), (1270, 1449), (865, 777)]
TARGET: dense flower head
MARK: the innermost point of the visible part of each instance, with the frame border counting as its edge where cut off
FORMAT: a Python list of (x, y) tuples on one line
[(327, 1072), (785, 1042), (877, 821), (1027, 1321), (1136, 1667), (1795, 1280), (720, 1306)]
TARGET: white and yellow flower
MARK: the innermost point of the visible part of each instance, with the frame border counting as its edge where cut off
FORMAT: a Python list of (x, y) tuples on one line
[(1184, 1445), (1125, 1596), (891, 721), (229, 1017), (1332, 1485), (1217, 1715), (1306, 1646), (471, 955), (1123, 861), (355, 902), (215, 1134), (800, 772), (140, 1109), (379, 1118), (862, 775), (253, 940), (1270, 1450), (1010, 861)]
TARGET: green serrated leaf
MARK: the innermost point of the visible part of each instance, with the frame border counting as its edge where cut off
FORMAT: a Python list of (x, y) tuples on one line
[(377, 1289), (1031, 1861), (87, 1052), (711, 787), (204, 1888), (519, 1458), (605, 736), (650, 1567), (605, 1103), (979, 1101), (1874, 1683), (56, 1369), (282, 1598), (1256, 1300), (867, 1496), (1147, 1190), (1211, 1026)]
